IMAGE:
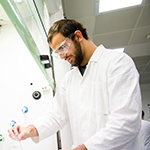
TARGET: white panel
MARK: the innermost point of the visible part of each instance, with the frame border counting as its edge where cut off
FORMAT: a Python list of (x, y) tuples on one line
[(139, 36), (53, 6), (79, 8), (145, 19), (139, 50), (116, 21), (114, 40)]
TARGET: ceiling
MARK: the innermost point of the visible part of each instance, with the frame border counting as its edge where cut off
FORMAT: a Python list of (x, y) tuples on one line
[(122, 28)]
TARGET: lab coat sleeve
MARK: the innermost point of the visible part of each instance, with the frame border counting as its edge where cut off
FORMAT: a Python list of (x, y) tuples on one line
[(54, 119), (124, 121)]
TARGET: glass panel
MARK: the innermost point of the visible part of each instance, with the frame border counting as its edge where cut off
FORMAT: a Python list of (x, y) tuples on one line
[(24, 21)]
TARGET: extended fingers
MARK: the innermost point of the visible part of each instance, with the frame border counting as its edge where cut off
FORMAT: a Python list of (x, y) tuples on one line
[(11, 133)]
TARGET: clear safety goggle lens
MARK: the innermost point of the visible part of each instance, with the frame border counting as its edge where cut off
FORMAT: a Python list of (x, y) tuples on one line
[(63, 47)]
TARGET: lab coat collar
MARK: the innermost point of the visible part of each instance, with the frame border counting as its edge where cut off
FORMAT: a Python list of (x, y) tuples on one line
[(97, 54)]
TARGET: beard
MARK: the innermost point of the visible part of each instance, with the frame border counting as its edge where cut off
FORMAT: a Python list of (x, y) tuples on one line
[(78, 54)]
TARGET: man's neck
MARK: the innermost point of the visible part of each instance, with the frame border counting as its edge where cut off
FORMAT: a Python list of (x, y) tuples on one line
[(88, 49)]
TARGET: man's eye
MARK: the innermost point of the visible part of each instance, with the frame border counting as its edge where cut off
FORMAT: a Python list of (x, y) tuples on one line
[(62, 47)]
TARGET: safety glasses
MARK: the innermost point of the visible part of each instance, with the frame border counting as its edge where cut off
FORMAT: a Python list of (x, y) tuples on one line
[(63, 48)]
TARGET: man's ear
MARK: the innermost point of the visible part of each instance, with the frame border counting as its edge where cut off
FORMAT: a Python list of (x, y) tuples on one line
[(78, 35)]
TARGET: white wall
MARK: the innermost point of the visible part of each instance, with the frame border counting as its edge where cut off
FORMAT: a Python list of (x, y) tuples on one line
[(17, 71)]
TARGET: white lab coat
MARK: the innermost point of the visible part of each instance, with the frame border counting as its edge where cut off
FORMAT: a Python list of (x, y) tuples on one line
[(103, 106), (145, 129)]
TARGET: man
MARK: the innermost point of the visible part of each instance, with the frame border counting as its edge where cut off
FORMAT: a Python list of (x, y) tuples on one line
[(145, 129), (100, 97)]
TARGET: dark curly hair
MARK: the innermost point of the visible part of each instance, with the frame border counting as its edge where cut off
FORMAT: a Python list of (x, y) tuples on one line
[(66, 27)]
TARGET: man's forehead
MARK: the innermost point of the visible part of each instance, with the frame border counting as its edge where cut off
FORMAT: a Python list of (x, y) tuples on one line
[(57, 39)]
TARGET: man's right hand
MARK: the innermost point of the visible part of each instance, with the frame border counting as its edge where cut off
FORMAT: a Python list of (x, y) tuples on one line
[(21, 132)]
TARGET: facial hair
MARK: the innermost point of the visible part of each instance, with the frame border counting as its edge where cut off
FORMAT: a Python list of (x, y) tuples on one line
[(78, 54)]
